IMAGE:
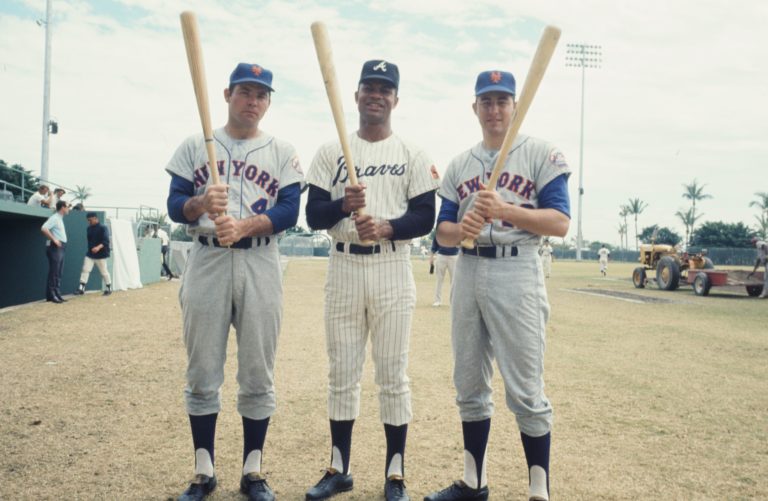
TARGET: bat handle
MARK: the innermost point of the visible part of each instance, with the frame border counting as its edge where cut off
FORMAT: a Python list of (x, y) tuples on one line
[(468, 243)]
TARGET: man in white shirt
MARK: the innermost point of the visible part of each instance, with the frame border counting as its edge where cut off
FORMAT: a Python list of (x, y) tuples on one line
[(54, 230), (40, 198)]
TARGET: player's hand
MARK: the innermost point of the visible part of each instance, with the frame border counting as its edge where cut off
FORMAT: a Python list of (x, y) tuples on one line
[(354, 198), (95, 249), (215, 200), (471, 225), (56, 242), (489, 204), (228, 230), (371, 230)]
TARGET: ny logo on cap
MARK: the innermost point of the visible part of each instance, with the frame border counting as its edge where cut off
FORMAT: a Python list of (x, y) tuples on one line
[(256, 70), (495, 77), (381, 66)]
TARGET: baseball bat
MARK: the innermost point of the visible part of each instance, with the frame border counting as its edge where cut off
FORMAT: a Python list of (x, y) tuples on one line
[(197, 70), (328, 70), (541, 58)]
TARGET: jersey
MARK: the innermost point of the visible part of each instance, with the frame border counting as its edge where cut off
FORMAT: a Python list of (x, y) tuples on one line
[(255, 169), (530, 165), (546, 251), (603, 253), (393, 171), (163, 236)]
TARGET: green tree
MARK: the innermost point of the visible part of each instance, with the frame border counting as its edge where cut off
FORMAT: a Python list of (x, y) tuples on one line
[(622, 234), (688, 219), (762, 225), (636, 207), (179, 234), (720, 234), (623, 213), (81, 193), (695, 192), (15, 177), (663, 235), (762, 218)]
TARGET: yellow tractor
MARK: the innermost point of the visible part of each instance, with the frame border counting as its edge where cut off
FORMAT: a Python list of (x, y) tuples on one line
[(669, 265)]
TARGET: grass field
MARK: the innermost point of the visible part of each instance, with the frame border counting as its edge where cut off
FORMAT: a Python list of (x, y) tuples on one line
[(665, 399)]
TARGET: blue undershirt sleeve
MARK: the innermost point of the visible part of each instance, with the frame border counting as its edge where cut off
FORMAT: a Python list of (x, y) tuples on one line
[(323, 213), (180, 191), (449, 211), (417, 220), (555, 195), (285, 212)]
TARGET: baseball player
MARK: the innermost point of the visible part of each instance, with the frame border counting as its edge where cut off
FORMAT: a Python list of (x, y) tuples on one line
[(546, 257), (500, 309), (370, 286), (602, 258), (444, 259), (232, 275), (164, 246), (98, 252), (56, 233), (762, 259)]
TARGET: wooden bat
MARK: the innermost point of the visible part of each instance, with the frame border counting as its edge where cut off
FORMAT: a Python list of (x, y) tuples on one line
[(546, 48), (325, 58), (197, 70)]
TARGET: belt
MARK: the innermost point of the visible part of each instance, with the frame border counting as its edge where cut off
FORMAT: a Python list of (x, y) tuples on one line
[(492, 251), (243, 243), (363, 249)]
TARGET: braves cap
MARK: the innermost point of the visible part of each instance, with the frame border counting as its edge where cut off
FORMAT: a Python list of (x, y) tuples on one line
[(495, 80), (90, 215), (251, 73), (378, 69)]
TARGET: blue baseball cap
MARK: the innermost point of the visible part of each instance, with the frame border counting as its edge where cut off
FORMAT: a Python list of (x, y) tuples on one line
[(495, 80), (251, 73), (378, 69)]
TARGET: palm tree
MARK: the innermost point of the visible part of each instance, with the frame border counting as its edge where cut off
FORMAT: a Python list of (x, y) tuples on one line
[(695, 192), (636, 207), (622, 233), (688, 219), (762, 201), (762, 225), (623, 214), (81, 193)]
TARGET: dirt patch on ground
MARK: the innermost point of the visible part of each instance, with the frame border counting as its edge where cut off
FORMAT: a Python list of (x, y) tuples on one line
[(627, 296)]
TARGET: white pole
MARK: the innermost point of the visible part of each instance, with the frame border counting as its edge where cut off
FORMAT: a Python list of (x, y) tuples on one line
[(579, 237), (46, 94)]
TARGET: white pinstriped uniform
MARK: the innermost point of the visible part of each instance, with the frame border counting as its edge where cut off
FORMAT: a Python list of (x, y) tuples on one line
[(603, 259), (232, 286), (371, 293)]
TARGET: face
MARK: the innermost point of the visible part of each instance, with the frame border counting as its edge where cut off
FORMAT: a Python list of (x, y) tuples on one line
[(248, 103), (93, 220), (494, 111), (375, 101)]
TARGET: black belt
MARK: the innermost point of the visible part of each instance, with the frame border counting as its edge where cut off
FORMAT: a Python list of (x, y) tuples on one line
[(243, 243), (363, 249), (506, 251)]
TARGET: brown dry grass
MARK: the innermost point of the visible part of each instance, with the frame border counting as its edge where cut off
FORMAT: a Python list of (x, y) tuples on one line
[(651, 400)]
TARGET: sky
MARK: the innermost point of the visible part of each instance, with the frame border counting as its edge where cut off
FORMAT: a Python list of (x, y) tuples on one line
[(677, 97)]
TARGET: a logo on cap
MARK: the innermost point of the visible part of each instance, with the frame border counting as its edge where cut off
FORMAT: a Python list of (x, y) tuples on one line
[(495, 77), (256, 70), (381, 66)]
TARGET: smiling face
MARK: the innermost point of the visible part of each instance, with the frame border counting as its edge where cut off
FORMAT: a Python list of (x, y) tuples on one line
[(494, 112), (248, 103), (375, 101)]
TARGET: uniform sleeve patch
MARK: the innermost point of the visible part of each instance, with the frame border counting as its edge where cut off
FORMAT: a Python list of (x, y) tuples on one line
[(557, 159), (296, 165)]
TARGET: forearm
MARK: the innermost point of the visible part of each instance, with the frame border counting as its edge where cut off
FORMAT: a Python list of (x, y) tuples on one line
[(256, 226), (194, 208), (539, 221), (48, 234), (418, 219), (322, 212), (449, 234)]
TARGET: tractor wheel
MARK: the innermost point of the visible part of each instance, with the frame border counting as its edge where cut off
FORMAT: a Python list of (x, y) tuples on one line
[(668, 274), (708, 264), (701, 284), (638, 277), (754, 290)]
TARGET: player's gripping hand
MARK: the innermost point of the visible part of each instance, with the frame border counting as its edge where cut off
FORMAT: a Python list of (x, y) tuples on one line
[(354, 198), (215, 200), (228, 230), (471, 225), (371, 230), (489, 204)]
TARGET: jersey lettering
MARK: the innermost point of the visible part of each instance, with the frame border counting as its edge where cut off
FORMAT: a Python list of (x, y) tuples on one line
[(372, 170), (259, 206)]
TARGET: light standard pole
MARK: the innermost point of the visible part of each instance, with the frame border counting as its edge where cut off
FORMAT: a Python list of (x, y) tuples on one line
[(46, 93), (583, 56)]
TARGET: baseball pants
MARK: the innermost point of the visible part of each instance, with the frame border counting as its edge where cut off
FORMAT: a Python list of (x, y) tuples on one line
[(369, 293), (500, 311), (101, 265), (242, 288), (603, 265), (443, 264)]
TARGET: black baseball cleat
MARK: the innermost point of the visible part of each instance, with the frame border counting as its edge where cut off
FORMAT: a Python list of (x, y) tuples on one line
[(200, 487), (255, 487), (459, 491), (394, 490), (332, 483)]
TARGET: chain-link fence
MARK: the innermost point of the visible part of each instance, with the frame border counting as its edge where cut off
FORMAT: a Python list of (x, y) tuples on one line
[(721, 256)]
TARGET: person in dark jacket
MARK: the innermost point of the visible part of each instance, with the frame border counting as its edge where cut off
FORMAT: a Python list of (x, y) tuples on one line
[(98, 252)]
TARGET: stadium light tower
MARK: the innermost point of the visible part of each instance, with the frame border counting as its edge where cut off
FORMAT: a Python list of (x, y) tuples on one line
[(582, 56), (48, 126)]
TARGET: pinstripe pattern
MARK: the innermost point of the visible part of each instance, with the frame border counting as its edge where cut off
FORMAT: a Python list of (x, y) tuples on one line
[(371, 293)]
